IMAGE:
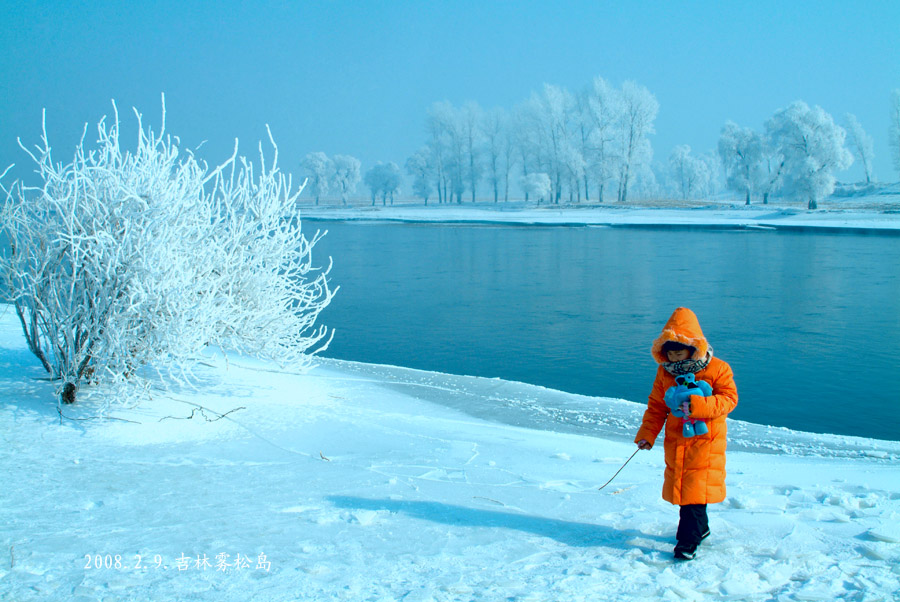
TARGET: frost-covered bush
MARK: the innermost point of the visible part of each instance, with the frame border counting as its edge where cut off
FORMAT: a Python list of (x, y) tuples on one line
[(122, 260)]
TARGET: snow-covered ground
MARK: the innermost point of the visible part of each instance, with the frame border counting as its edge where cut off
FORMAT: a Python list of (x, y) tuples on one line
[(360, 482)]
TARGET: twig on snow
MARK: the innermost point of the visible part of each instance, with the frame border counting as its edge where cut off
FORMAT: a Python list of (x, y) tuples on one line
[(61, 416), (481, 497), (203, 411)]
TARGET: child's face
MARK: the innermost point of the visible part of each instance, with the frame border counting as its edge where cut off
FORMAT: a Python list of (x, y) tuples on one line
[(680, 355)]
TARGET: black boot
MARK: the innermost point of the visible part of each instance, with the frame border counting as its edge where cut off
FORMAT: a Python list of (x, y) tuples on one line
[(685, 551), (693, 527)]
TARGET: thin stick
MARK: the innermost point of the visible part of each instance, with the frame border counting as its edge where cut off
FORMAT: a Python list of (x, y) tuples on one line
[(620, 470), (202, 413)]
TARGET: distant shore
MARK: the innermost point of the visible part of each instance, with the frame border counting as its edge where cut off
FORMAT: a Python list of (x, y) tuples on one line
[(878, 219)]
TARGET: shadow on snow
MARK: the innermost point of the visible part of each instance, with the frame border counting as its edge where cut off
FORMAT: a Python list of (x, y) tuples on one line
[(565, 532)]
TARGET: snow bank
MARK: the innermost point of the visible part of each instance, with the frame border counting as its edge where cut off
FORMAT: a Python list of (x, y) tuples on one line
[(885, 219), (361, 482)]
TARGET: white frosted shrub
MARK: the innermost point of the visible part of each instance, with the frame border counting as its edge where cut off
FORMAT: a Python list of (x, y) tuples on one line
[(122, 260)]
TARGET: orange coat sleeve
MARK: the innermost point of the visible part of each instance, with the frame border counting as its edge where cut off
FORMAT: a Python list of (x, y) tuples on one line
[(656, 413), (723, 400)]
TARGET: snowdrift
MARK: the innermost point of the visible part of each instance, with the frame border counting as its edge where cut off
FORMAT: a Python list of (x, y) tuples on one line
[(361, 482)]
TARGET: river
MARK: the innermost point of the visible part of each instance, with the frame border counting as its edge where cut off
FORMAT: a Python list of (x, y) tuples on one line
[(806, 320)]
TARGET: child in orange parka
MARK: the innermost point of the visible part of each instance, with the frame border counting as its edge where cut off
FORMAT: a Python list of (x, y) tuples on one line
[(695, 466)]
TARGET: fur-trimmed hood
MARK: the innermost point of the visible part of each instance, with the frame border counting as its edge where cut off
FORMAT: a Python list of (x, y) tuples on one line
[(683, 327)]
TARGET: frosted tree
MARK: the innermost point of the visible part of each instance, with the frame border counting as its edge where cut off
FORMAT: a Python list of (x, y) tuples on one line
[(639, 110), (862, 145), (123, 260), (691, 174), (345, 175), (601, 112), (392, 179), (583, 130), (647, 183), (438, 150), (471, 117), (537, 185), (771, 173), (449, 138), (680, 171), (813, 149), (575, 170), (318, 168), (419, 167), (524, 138), (894, 132), (549, 115), (716, 170), (498, 151), (507, 155), (373, 180), (741, 152), (384, 179)]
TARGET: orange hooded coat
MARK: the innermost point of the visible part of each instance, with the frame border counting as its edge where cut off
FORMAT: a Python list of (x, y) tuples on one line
[(695, 466)]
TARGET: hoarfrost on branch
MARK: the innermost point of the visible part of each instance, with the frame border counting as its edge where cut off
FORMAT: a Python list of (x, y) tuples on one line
[(121, 260)]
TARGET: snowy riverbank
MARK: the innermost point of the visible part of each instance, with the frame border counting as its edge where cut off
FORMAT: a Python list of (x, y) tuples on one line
[(866, 214), (359, 482)]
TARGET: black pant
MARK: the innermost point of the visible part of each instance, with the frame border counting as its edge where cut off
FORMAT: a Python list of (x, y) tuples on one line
[(693, 524)]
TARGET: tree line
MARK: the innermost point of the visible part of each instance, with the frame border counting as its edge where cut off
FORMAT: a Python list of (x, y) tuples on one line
[(594, 145), (555, 144)]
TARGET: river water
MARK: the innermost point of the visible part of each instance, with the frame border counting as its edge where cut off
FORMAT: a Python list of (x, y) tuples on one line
[(808, 321)]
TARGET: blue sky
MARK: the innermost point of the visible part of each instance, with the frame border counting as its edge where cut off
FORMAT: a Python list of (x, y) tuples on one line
[(358, 77)]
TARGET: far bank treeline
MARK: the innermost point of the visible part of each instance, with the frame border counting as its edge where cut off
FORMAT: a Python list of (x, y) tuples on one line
[(594, 145)]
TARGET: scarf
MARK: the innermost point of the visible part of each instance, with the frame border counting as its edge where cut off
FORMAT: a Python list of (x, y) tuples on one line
[(688, 366)]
